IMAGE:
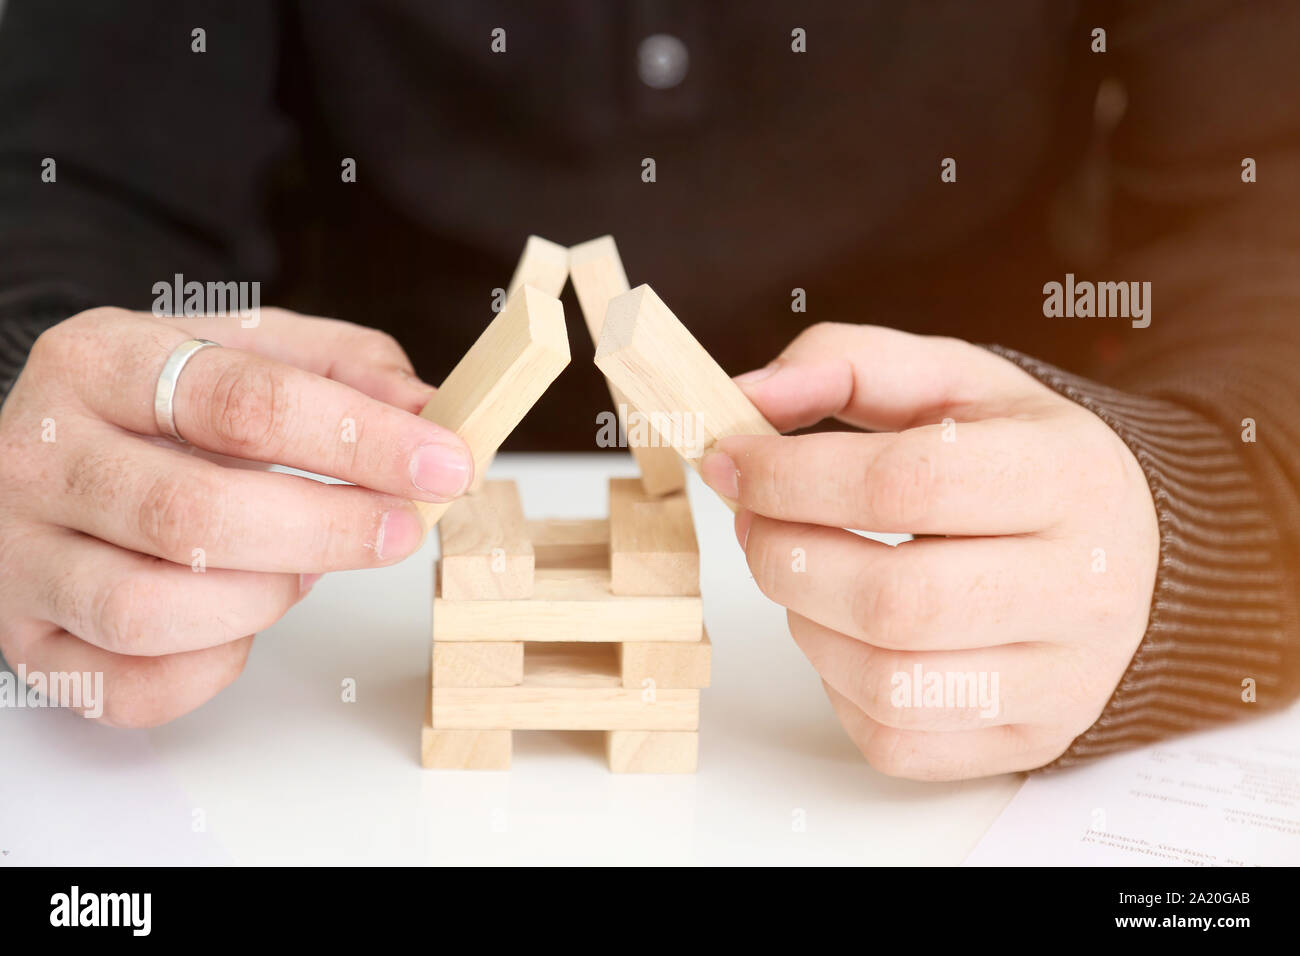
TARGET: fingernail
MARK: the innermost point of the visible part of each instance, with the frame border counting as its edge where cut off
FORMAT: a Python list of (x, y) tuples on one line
[(743, 520), (758, 374), (442, 470), (305, 581), (400, 533), (721, 474)]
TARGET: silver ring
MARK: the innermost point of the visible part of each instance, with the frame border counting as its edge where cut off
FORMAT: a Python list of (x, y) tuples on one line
[(164, 396)]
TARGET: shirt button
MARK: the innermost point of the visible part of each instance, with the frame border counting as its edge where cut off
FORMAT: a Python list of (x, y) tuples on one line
[(662, 61)]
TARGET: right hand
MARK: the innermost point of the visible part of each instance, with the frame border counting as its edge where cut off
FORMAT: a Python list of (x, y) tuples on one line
[(104, 523)]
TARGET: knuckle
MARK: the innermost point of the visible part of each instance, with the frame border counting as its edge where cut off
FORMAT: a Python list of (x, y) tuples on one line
[(887, 753), (155, 690), (128, 614), (822, 333), (376, 343), (175, 516), (96, 477), (765, 560), (138, 698), (54, 344), (1111, 466), (902, 753), (65, 338), (873, 675), (898, 486), (248, 407), (886, 605), (766, 483)]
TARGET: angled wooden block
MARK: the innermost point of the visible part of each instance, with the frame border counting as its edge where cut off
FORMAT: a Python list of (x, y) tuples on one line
[(652, 544), (500, 378), (478, 664), (668, 665), (652, 751), (570, 604), (544, 265), (486, 550), (571, 687), (462, 749), (669, 377), (597, 273), (570, 542)]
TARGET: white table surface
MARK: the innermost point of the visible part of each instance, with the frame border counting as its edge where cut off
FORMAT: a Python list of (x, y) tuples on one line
[(279, 770)]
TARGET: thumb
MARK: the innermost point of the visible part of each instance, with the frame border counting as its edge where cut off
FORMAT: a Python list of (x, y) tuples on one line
[(882, 379)]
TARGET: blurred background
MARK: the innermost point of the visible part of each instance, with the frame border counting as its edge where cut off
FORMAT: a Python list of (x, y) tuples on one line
[(775, 169)]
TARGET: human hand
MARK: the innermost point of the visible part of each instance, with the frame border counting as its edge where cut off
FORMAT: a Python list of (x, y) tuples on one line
[(1033, 598), (104, 523)]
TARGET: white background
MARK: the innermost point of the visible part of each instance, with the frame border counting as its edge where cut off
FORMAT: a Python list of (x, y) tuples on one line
[(279, 770)]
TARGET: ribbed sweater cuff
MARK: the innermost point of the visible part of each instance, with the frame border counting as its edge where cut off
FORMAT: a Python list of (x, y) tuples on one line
[(1219, 607)]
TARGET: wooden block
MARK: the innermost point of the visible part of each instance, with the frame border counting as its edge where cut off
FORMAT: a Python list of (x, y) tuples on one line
[(463, 749), (500, 378), (566, 688), (570, 542), (652, 544), (670, 666), (570, 604), (652, 751), (669, 377), (598, 276), (486, 550), (544, 265), (479, 664)]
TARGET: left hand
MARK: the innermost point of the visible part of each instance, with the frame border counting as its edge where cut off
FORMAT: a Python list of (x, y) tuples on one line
[(1032, 598)]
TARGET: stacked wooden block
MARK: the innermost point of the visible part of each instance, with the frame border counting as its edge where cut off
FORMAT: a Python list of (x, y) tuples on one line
[(568, 624)]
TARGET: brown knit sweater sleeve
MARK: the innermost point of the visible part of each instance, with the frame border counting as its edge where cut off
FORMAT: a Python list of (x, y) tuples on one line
[(1207, 396), (1223, 613)]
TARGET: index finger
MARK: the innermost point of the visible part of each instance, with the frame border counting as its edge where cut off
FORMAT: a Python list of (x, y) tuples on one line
[(998, 477)]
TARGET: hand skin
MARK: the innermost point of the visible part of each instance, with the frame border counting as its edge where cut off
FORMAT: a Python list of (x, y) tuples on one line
[(1027, 488), (100, 528)]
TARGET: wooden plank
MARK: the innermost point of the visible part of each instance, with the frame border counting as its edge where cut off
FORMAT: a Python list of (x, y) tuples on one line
[(462, 749), (544, 265), (670, 666), (500, 378), (478, 664), (652, 544), (652, 751), (570, 605), (570, 542), (486, 550), (669, 377), (597, 273), (529, 707)]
